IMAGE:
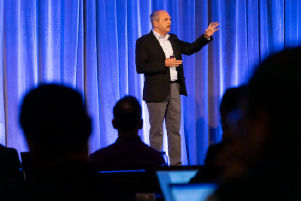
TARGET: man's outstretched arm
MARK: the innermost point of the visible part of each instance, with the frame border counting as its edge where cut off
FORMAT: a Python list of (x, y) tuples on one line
[(190, 48)]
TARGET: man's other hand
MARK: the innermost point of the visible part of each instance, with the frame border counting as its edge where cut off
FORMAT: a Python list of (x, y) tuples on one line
[(172, 62)]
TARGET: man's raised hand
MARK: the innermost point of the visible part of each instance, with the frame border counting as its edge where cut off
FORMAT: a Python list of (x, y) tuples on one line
[(211, 29)]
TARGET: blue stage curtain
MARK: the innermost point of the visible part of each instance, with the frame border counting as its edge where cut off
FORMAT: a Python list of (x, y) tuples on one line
[(90, 45)]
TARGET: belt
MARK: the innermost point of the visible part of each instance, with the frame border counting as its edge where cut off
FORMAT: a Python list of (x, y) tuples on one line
[(176, 81)]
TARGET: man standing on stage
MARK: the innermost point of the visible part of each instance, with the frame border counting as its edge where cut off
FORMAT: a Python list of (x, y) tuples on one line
[(159, 58)]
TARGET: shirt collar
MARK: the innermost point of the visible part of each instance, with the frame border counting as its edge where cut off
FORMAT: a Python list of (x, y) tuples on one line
[(158, 36)]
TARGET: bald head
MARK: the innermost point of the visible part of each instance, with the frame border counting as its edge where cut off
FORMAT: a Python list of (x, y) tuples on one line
[(161, 21), (155, 16)]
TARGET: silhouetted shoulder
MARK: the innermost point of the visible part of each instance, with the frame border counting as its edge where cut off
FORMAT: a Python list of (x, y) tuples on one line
[(101, 153), (9, 154), (146, 36)]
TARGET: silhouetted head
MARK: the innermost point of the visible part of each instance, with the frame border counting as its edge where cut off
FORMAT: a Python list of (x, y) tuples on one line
[(54, 120), (232, 111), (274, 108), (127, 115)]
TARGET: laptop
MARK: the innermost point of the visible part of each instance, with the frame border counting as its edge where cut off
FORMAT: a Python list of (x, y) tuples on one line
[(174, 176), (192, 192)]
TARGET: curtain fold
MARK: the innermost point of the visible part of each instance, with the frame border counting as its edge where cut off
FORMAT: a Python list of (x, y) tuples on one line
[(90, 45)]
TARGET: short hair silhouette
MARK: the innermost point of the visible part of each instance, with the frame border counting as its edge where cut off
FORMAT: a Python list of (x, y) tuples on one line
[(127, 114), (232, 98), (54, 117), (232, 108), (128, 151), (271, 152), (275, 87)]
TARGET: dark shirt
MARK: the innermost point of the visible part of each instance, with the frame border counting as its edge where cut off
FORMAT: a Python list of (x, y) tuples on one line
[(269, 180), (65, 180), (127, 153), (211, 171)]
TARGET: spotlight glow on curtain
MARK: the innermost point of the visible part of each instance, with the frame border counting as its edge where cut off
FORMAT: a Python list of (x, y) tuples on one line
[(90, 45)]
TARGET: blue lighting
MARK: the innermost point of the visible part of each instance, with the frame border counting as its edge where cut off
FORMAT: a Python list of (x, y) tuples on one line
[(90, 45)]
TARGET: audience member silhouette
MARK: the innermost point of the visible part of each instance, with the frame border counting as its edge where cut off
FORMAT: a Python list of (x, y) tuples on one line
[(270, 153), (57, 127), (10, 166), (11, 176), (128, 152), (232, 112)]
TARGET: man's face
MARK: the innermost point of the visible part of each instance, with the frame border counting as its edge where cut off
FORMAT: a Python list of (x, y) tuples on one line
[(163, 25)]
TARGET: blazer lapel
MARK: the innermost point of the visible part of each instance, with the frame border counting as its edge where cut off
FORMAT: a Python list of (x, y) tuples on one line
[(157, 44), (174, 47)]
